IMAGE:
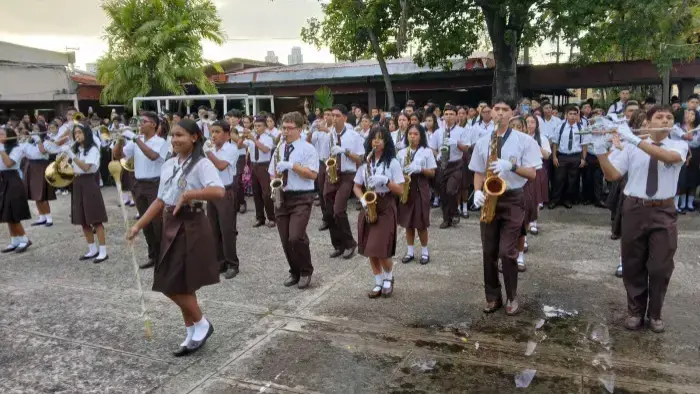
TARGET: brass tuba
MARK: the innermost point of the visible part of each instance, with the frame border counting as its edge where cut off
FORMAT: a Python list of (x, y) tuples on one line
[(406, 178), (494, 186), (60, 174), (370, 196), (277, 182), (127, 165)]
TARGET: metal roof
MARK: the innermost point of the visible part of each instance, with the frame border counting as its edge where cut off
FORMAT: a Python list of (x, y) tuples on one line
[(362, 68)]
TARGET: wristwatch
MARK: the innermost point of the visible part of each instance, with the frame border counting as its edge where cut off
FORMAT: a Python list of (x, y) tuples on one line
[(514, 167)]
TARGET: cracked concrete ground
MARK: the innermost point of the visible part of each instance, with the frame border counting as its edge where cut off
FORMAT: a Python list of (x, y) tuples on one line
[(74, 327)]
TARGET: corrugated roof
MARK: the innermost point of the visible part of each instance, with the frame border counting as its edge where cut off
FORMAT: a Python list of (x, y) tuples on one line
[(362, 68)]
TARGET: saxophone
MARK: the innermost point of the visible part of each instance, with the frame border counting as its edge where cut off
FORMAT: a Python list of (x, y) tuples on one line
[(370, 196), (406, 178), (494, 186), (445, 149), (277, 183), (332, 164)]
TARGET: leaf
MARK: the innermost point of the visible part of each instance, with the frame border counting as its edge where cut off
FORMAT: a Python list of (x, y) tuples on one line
[(324, 98)]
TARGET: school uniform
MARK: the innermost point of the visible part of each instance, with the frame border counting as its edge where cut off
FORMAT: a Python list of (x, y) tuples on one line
[(450, 173), (649, 233), (222, 213), (400, 138), (549, 128), (145, 188), (87, 204), (187, 259), (415, 213), (337, 194), (615, 201), (322, 143), (569, 148), (35, 181), (616, 108), (260, 161), (532, 189), (297, 201), (379, 239), (542, 179), (499, 238), (689, 177), (13, 195)]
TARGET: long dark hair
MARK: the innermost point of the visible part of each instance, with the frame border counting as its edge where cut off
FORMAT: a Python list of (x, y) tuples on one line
[(436, 125), (88, 139), (11, 143), (190, 126), (537, 128), (389, 148), (423, 141)]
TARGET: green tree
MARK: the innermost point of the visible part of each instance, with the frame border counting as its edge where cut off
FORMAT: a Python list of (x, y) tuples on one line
[(155, 47)]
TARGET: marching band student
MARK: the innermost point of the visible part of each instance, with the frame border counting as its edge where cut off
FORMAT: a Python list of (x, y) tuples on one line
[(569, 157), (222, 212), (382, 174), (234, 119), (187, 259), (38, 189), (450, 174), (320, 138), (399, 136), (298, 168), (618, 107), (541, 183), (149, 151), (348, 149), (416, 118), (13, 196), (518, 157), (690, 173), (87, 206), (418, 162), (649, 233), (431, 126), (271, 127), (517, 123), (365, 123), (484, 124), (260, 148)]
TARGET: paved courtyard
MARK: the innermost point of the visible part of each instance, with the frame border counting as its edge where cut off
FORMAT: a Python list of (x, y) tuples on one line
[(74, 327)]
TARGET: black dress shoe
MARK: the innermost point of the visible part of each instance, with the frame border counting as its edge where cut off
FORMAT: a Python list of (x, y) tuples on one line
[(84, 257), (304, 282), (692, 209), (493, 306), (455, 220), (150, 263), (324, 226), (231, 272), (181, 351), (681, 211), (336, 253), (196, 345), (8, 249), (465, 214), (242, 208), (445, 225), (291, 281), (614, 237), (567, 205), (38, 223), (259, 223), (22, 249), (98, 261), (424, 259), (407, 258), (552, 205), (349, 253), (48, 224)]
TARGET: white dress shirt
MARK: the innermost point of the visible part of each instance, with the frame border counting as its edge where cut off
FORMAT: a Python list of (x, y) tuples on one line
[(322, 142), (349, 140), (202, 175), (518, 148), (422, 156), (481, 128), (635, 163), (263, 157), (32, 152), (91, 157), (241, 151), (306, 156), (393, 171), (678, 132), (16, 155), (204, 126), (399, 136), (145, 168), (617, 108), (273, 132), (549, 128), (458, 135), (568, 131), (229, 154)]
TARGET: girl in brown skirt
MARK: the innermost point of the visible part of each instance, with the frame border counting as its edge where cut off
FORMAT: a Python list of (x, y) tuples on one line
[(540, 187), (418, 162), (87, 206), (382, 174), (187, 255), (517, 123), (13, 196), (38, 189)]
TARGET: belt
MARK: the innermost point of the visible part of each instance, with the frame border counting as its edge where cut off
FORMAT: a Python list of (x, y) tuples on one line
[(513, 191), (652, 203), (149, 180), (262, 163), (194, 208), (87, 174), (298, 193), (348, 172), (568, 154)]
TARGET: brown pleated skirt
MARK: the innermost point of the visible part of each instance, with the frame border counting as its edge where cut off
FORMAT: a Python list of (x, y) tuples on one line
[(415, 213), (530, 191), (87, 205), (542, 186), (187, 256), (128, 180), (13, 198), (467, 174), (37, 187), (378, 239)]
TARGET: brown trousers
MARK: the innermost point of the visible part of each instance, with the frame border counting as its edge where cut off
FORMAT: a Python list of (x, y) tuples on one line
[(321, 184), (648, 244), (222, 216), (336, 215), (262, 193), (292, 219), (145, 191), (450, 185), (238, 181), (499, 239)]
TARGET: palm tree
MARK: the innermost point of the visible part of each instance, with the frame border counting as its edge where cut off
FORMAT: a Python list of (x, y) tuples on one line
[(155, 47)]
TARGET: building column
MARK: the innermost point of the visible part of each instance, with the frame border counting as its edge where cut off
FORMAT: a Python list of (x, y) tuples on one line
[(371, 99), (686, 88)]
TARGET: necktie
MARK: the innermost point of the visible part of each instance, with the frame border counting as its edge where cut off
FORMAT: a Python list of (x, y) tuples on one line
[(571, 138), (653, 175), (500, 145), (287, 152), (338, 157), (257, 153)]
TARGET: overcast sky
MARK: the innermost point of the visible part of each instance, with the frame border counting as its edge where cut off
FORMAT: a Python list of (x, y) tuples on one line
[(55, 25)]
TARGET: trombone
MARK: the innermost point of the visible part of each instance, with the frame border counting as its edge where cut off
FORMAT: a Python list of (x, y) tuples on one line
[(22, 138)]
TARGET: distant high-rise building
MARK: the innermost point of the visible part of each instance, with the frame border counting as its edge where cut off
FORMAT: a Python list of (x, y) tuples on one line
[(295, 57), (91, 68), (271, 57)]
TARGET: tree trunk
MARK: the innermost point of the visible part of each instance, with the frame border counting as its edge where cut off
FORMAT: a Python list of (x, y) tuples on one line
[(666, 87), (382, 65), (505, 54)]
